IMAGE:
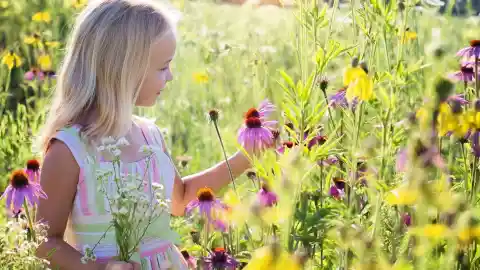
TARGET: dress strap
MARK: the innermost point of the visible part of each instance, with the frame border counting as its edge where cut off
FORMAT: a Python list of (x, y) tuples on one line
[(70, 136)]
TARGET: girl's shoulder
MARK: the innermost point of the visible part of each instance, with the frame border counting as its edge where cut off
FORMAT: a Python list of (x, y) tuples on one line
[(71, 137), (149, 126)]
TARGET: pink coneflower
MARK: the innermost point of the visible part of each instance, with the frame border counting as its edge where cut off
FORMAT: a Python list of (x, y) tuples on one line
[(465, 74), (265, 109), (191, 261), (285, 145), (472, 51), (339, 100), (337, 190), (329, 161), (255, 134), (459, 98), (34, 73), (206, 203), (407, 219), (33, 170), (219, 259), (317, 140), (20, 190), (266, 197)]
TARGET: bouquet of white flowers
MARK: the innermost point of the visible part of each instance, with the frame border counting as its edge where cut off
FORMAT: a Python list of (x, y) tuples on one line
[(134, 201)]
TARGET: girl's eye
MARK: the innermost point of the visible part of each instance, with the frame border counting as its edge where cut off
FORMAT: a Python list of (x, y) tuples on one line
[(163, 69)]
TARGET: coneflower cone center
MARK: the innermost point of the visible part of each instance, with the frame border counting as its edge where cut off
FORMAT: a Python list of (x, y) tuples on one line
[(220, 257), (253, 122), (475, 43), (288, 144), (205, 195), (33, 165), (185, 254), (19, 180), (466, 69), (252, 112)]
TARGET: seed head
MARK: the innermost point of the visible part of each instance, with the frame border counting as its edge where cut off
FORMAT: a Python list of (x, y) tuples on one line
[(213, 115)]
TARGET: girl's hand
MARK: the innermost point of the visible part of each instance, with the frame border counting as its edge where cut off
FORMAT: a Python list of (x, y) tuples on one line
[(116, 265)]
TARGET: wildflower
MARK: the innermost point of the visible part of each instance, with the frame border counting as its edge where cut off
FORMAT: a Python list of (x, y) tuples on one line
[(52, 44), (12, 60), (206, 203), (213, 115), (41, 17), (472, 51), (358, 83), (317, 140), (79, 3), (460, 98), (285, 145), (265, 109), (408, 36), (255, 133), (272, 257), (434, 230), (20, 190), (323, 84), (34, 74), (339, 100), (475, 141), (330, 160), (33, 170), (200, 77), (45, 62), (219, 259), (266, 197), (337, 190), (407, 219), (33, 39), (402, 195), (191, 261), (465, 74)]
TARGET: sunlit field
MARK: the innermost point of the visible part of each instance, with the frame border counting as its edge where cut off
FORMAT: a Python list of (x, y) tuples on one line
[(376, 163)]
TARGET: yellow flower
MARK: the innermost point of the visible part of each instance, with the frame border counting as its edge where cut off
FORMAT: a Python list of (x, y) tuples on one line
[(402, 196), (432, 231), (358, 83), (41, 17), (11, 59), (200, 77), (458, 123), (33, 39), (3, 4), (52, 44), (44, 62), (408, 36), (263, 259), (467, 234)]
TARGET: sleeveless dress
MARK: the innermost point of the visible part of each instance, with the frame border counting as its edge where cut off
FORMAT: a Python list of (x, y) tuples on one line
[(89, 218)]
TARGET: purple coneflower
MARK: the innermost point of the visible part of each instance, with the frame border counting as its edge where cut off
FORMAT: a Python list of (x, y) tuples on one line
[(33, 170), (191, 261), (475, 139), (472, 51), (34, 73), (266, 197), (465, 74), (317, 140), (339, 100), (459, 98), (20, 190), (206, 203), (329, 161), (337, 190), (407, 219), (265, 109), (255, 134), (285, 145), (219, 259), (429, 157)]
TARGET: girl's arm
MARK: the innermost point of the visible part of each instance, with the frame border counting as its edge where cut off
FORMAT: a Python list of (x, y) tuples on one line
[(59, 177), (216, 177)]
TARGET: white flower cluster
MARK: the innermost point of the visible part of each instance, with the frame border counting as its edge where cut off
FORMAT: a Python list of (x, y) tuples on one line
[(133, 200), (88, 255), (17, 250)]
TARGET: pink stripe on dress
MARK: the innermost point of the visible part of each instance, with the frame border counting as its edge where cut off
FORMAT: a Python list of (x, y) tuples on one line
[(154, 262), (83, 194)]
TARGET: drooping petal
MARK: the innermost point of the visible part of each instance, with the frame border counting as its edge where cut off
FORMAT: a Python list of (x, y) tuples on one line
[(191, 205), (18, 198), (8, 194)]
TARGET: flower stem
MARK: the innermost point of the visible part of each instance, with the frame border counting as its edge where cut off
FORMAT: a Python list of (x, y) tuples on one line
[(29, 218), (225, 155)]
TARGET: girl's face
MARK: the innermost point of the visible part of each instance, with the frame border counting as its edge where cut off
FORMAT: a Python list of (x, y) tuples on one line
[(158, 73)]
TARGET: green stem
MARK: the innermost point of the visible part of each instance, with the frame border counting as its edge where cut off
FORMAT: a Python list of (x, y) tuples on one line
[(29, 218), (225, 155)]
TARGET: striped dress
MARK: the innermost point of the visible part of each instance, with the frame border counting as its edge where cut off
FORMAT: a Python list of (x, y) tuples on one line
[(89, 217)]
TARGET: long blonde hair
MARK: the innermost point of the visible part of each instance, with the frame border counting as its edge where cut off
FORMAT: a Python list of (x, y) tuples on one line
[(104, 67)]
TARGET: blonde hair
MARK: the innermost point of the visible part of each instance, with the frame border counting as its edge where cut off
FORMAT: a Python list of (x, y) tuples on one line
[(104, 67)]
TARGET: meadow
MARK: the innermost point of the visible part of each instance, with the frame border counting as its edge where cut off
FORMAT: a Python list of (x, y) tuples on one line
[(378, 148)]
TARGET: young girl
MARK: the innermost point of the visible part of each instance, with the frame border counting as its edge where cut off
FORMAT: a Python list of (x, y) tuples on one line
[(118, 57)]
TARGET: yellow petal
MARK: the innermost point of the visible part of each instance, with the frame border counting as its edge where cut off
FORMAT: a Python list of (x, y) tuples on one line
[(402, 196), (44, 62), (351, 74), (200, 77), (52, 44), (262, 259)]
